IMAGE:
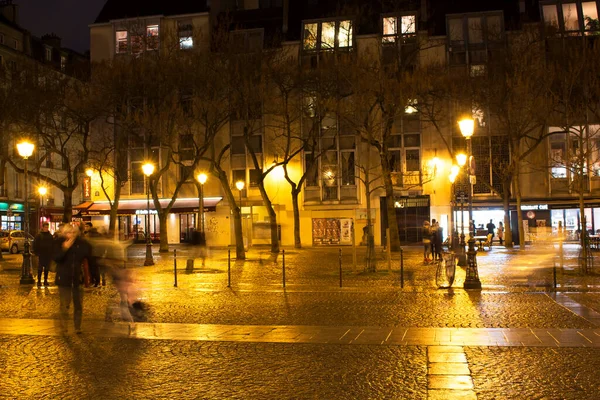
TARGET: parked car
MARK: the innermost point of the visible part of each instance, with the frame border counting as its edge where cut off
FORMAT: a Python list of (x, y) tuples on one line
[(13, 241)]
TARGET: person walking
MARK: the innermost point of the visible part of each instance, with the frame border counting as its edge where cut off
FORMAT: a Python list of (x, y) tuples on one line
[(70, 253), (491, 228), (501, 233), (436, 240), (43, 248), (426, 235)]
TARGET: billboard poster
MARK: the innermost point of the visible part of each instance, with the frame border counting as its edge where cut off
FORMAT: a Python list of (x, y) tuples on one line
[(332, 231)]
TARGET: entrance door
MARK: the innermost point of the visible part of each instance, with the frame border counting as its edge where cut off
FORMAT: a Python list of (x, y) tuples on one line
[(410, 214), (187, 223)]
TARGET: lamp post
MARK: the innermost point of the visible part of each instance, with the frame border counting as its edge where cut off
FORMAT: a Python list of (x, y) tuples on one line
[(202, 180), (467, 127), (240, 186), (42, 192), (148, 169), (25, 150)]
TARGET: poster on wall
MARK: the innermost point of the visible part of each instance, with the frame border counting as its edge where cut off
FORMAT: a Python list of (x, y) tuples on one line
[(331, 231), (526, 230), (346, 231)]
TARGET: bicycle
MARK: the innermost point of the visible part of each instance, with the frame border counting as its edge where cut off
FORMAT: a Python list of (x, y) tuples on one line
[(446, 270)]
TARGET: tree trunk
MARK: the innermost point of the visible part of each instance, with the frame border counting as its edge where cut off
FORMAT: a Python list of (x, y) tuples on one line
[(519, 212), (391, 211), (68, 209), (272, 217), (164, 238), (506, 206), (583, 229), (296, 207), (112, 222), (370, 262), (240, 253)]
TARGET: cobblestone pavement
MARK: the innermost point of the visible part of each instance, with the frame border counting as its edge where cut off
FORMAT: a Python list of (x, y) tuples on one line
[(514, 296)]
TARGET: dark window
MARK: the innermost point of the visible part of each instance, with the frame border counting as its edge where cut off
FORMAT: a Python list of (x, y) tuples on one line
[(254, 177)]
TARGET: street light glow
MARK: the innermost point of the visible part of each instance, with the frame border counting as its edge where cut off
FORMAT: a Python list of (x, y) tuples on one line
[(454, 170), (202, 178), (89, 172), (461, 159), (25, 149), (42, 191), (467, 127), (148, 169), (452, 178), (239, 185)]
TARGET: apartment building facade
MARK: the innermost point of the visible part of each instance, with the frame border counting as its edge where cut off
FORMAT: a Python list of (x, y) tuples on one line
[(462, 37)]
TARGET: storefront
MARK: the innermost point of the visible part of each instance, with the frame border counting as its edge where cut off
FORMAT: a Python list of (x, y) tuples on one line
[(12, 216), (134, 221)]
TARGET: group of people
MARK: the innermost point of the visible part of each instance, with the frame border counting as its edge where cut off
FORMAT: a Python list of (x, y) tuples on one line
[(82, 258), (432, 241)]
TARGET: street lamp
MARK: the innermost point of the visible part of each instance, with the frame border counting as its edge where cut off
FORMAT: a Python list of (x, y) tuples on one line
[(25, 150), (148, 169), (202, 180), (467, 128), (240, 186)]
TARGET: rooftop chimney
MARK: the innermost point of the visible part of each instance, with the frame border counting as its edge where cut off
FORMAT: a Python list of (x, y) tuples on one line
[(51, 40), (9, 11)]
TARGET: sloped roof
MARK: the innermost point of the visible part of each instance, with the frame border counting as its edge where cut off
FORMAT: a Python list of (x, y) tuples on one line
[(122, 9)]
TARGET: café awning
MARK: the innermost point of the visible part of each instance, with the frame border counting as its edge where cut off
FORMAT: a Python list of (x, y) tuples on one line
[(138, 206)]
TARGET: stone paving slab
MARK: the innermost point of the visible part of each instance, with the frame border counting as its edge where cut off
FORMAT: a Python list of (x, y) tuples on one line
[(490, 337)]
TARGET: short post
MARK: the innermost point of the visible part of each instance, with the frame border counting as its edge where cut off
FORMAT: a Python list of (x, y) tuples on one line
[(175, 266), (283, 265), (554, 273), (389, 250), (353, 249), (401, 268), (229, 268), (340, 267)]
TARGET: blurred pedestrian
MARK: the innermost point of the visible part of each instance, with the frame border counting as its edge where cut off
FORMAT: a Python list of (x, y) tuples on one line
[(491, 228), (436, 240), (43, 248), (501, 233), (98, 250), (71, 251), (426, 235)]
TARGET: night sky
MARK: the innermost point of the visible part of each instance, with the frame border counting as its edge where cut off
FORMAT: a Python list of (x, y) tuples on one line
[(69, 19)]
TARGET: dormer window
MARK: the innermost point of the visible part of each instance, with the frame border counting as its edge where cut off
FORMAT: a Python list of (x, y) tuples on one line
[(48, 54), (121, 41), (328, 35), (395, 27)]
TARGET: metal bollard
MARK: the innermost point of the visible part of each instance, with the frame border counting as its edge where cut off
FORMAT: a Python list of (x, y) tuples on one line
[(554, 273), (401, 268), (175, 266), (283, 265), (340, 267), (229, 268)]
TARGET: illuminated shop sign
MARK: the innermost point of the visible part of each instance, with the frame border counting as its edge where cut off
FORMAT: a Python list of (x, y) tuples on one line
[(534, 207), (145, 212)]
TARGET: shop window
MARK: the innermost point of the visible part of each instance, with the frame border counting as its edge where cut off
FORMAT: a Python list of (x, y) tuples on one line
[(121, 38), (558, 153), (590, 16)]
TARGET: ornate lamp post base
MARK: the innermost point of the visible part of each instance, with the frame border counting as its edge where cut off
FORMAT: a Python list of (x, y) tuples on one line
[(26, 277), (462, 257), (149, 260), (472, 280)]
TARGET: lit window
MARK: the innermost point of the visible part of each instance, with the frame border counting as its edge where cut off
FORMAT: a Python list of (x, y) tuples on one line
[(477, 70), (389, 29), (408, 24), (345, 34), (550, 15), (48, 54), (570, 17), (310, 36), (590, 15), (152, 37), (63, 63), (186, 42), (328, 35), (121, 37)]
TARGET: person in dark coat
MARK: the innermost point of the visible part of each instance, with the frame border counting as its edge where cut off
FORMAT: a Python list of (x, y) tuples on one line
[(436, 240), (69, 253), (43, 248)]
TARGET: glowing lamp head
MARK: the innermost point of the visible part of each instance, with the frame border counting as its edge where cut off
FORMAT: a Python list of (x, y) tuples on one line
[(42, 191), (454, 170), (202, 178), (89, 172), (452, 178), (239, 185), (467, 127), (25, 149), (461, 159), (148, 169)]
